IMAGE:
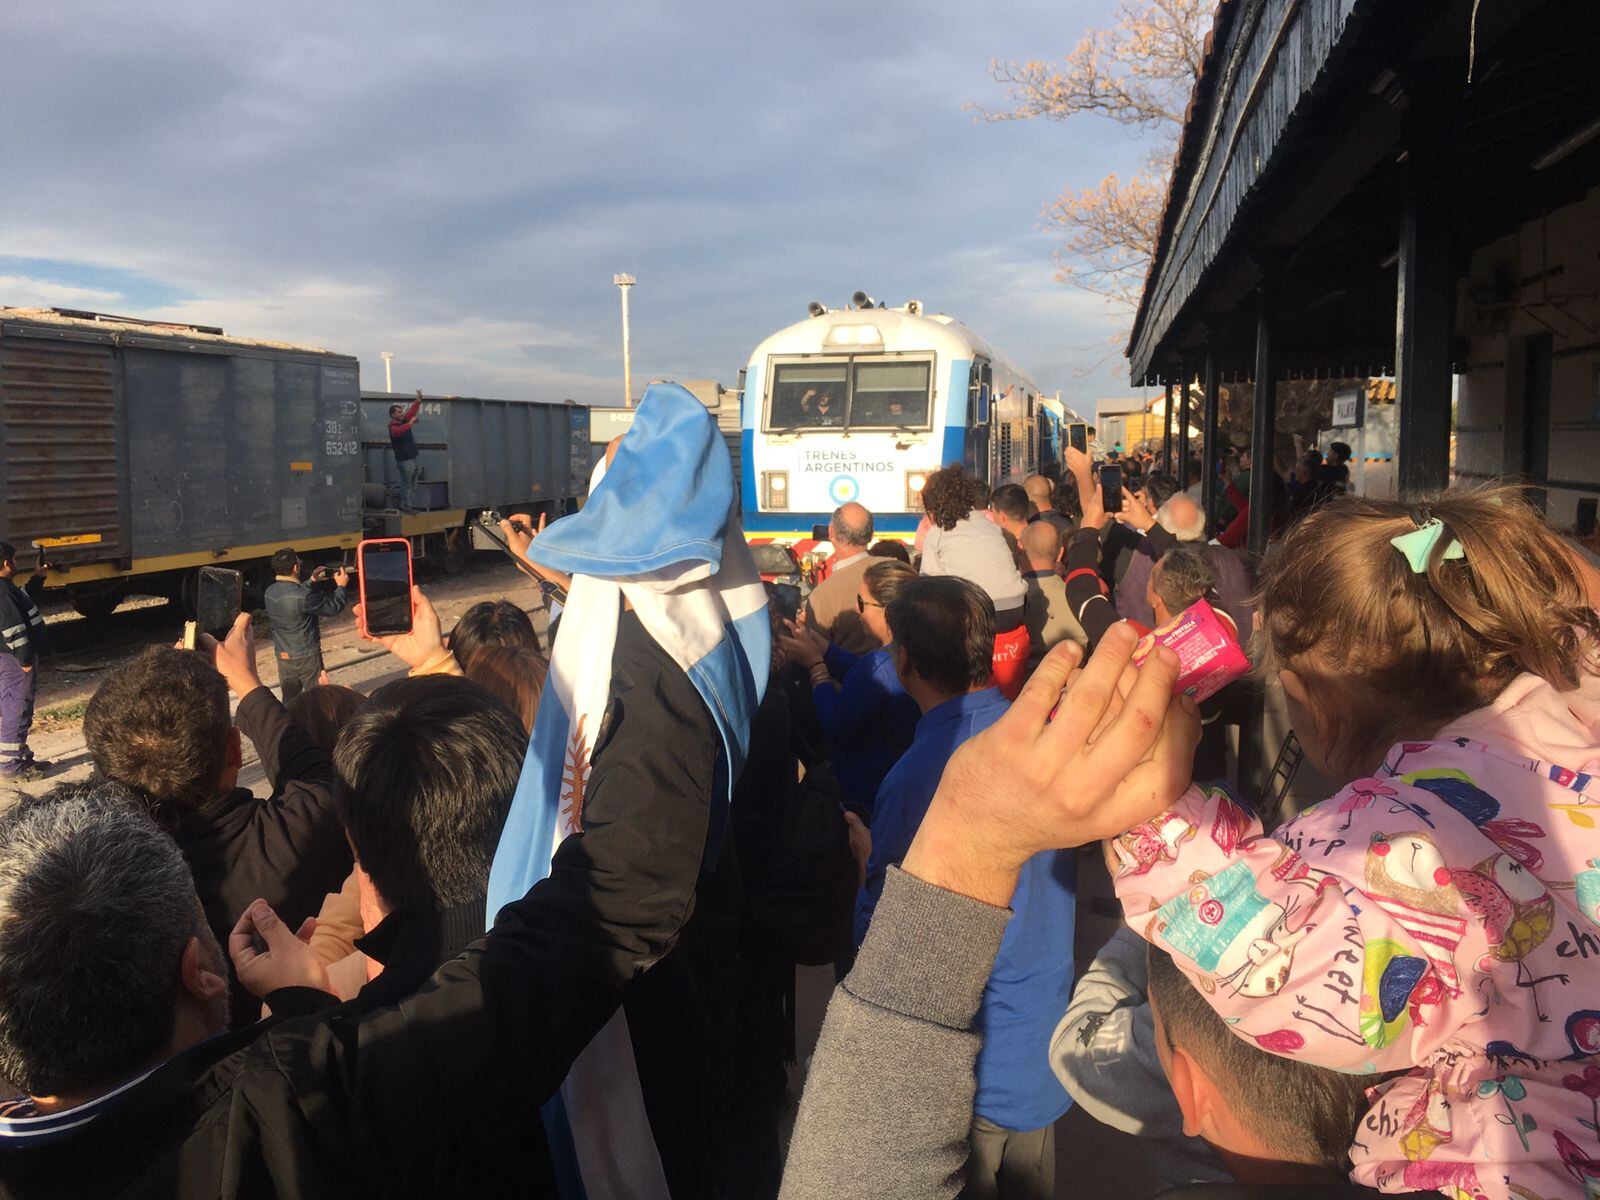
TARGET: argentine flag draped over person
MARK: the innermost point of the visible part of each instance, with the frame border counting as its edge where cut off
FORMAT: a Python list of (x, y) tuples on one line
[(660, 530)]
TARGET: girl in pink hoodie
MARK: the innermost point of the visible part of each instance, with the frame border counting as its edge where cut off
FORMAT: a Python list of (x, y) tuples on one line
[(1440, 916)]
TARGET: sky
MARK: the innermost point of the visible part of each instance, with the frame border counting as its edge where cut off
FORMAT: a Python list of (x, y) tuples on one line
[(458, 183)]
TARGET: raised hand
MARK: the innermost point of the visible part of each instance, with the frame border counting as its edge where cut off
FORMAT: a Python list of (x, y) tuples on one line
[(234, 656), (419, 648), (1082, 754), (287, 960)]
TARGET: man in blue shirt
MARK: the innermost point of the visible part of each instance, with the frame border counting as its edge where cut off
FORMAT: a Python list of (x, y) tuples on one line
[(943, 631)]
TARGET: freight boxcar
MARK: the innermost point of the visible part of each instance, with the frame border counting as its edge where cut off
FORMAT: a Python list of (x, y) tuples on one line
[(511, 455), (132, 452)]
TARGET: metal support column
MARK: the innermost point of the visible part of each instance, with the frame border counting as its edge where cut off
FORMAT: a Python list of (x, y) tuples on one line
[(1426, 308), (1166, 431), (1264, 428), (1183, 430), (1252, 732), (1208, 439)]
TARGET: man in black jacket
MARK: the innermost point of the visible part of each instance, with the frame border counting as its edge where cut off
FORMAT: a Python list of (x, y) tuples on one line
[(436, 1095), (427, 771), (160, 726), (296, 608)]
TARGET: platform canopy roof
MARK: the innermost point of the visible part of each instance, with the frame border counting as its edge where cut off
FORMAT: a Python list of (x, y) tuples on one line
[(1291, 158)]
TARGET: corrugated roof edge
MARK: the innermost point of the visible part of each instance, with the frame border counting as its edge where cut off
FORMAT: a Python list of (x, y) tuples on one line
[(1183, 157), (153, 329)]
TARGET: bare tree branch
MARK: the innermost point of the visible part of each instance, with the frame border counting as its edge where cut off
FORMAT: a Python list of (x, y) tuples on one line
[(1139, 73)]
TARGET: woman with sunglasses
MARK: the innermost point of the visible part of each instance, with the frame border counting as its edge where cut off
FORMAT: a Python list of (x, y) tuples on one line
[(867, 716)]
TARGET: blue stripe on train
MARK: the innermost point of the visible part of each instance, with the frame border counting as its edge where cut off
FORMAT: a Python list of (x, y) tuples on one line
[(747, 469), (790, 522)]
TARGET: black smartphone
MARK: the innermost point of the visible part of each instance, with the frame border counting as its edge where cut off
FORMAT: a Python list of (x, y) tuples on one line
[(786, 600), (1111, 488), (385, 567), (1078, 436), (217, 601), (819, 533)]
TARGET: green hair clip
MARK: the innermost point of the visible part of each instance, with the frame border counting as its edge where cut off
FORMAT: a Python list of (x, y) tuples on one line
[(1417, 546)]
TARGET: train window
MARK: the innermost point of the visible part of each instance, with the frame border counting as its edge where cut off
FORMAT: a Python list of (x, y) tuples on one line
[(808, 395), (890, 393)]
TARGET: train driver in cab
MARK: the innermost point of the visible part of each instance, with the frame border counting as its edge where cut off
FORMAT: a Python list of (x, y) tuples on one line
[(822, 409)]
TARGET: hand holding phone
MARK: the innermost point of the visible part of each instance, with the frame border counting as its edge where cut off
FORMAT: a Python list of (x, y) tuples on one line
[(786, 600), (423, 645), (234, 655), (384, 565), (219, 596), (1111, 488)]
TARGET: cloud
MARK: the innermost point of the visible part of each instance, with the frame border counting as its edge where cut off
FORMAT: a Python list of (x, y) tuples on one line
[(458, 185), (20, 291)]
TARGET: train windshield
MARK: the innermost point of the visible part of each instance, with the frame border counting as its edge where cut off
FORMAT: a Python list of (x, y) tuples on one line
[(855, 393), (890, 394), (809, 396)]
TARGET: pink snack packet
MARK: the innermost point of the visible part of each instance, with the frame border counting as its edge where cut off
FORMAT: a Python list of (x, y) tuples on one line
[(1209, 655)]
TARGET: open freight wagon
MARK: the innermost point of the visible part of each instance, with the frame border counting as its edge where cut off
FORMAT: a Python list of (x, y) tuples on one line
[(133, 452), (519, 456)]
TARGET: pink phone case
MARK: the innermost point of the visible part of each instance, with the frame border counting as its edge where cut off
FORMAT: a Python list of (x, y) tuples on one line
[(1209, 656)]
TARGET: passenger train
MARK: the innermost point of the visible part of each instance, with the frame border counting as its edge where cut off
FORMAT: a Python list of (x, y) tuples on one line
[(861, 403)]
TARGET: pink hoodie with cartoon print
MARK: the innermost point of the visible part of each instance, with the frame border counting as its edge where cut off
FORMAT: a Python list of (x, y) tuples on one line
[(1441, 917)]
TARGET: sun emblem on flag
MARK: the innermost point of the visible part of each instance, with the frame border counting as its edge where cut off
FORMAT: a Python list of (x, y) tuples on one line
[(575, 778)]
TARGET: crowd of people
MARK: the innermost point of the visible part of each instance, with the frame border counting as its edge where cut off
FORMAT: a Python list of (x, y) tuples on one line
[(526, 921)]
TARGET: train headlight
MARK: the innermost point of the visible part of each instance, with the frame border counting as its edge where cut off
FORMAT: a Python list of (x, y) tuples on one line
[(774, 490), (914, 483)]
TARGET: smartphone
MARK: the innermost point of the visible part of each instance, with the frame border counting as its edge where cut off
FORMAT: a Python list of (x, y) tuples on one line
[(384, 565), (1078, 436), (1111, 488), (1586, 516), (217, 602), (786, 600), (819, 533)]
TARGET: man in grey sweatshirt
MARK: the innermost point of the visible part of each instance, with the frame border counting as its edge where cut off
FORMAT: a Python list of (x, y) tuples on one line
[(888, 1105)]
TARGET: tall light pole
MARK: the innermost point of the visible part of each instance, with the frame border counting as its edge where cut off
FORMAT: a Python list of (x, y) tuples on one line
[(388, 374), (624, 283)]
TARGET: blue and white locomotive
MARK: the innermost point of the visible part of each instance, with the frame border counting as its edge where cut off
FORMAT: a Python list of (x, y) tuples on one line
[(861, 403)]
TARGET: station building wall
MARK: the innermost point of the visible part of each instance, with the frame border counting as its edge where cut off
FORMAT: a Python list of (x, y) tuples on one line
[(1528, 398)]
